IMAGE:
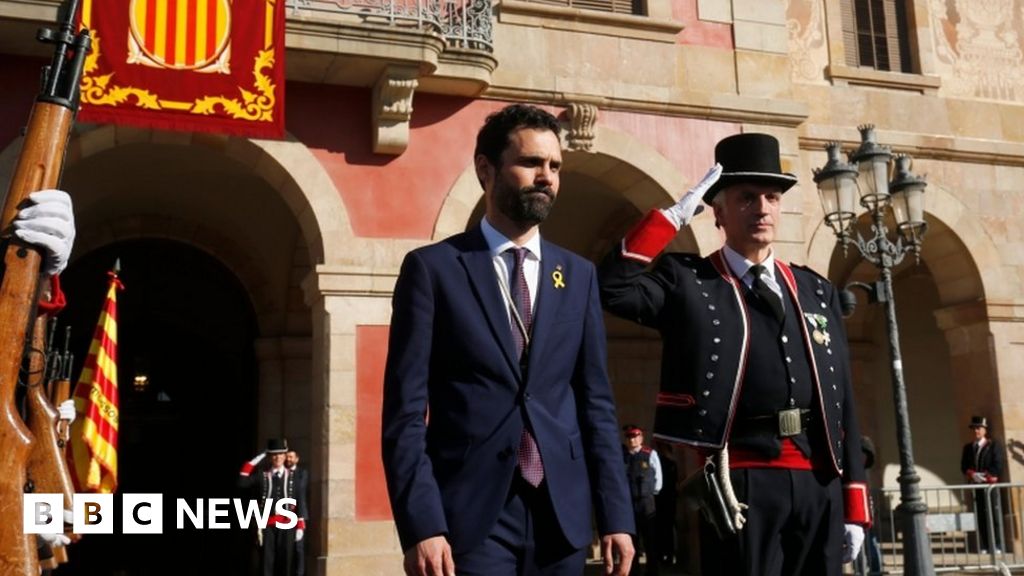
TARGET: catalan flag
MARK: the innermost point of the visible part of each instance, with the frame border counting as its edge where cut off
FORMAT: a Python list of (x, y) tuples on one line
[(94, 432)]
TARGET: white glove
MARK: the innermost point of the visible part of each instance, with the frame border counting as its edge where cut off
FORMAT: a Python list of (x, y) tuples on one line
[(49, 224), (258, 458), (854, 539), (55, 540), (979, 477), (299, 533), (69, 517), (67, 410), (689, 205)]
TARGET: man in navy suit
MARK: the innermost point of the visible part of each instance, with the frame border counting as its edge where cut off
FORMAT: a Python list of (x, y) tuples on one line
[(499, 426)]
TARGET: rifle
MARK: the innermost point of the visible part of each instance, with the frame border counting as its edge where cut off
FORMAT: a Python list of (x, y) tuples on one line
[(47, 467), (60, 385), (39, 167)]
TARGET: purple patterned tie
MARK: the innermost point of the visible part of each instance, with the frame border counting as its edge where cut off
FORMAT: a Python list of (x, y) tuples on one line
[(530, 465)]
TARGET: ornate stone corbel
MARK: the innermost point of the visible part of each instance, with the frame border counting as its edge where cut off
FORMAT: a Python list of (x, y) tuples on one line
[(392, 109), (582, 118)]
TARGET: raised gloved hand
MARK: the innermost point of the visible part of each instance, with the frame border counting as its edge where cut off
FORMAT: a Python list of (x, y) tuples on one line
[(689, 205), (48, 223), (55, 540), (67, 410), (853, 540), (299, 533)]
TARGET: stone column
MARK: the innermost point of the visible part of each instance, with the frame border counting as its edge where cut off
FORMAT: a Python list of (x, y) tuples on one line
[(343, 299)]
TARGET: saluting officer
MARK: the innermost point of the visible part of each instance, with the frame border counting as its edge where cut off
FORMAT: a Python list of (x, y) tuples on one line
[(754, 358), (275, 483)]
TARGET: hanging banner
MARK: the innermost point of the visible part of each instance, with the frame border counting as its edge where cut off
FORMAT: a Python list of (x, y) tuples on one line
[(190, 65)]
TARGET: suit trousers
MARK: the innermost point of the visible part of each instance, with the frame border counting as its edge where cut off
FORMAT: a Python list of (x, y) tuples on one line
[(525, 541), (794, 526), (278, 549)]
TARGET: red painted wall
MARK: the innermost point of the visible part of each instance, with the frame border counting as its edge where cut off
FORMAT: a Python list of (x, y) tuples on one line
[(401, 196), (697, 31), (689, 144), (387, 196), (371, 492)]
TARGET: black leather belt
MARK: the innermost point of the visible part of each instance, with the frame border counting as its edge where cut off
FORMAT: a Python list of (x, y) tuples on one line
[(782, 424)]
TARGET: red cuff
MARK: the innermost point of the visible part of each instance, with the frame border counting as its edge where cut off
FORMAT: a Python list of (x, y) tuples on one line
[(302, 524), (247, 468), (991, 479), (648, 238), (57, 300), (855, 504)]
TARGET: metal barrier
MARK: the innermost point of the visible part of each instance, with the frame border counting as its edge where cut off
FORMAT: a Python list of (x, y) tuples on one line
[(973, 528)]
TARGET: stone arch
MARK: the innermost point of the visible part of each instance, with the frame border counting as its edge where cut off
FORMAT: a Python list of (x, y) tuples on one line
[(636, 170), (287, 166), (209, 240), (944, 209), (944, 328)]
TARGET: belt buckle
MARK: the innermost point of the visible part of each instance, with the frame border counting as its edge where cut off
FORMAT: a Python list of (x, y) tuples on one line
[(789, 422)]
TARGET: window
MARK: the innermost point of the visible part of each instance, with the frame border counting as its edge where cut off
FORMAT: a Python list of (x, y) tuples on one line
[(875, 34), (637, 7)]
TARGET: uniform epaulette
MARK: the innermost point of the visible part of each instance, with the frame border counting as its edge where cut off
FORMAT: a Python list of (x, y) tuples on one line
[(809, 269)]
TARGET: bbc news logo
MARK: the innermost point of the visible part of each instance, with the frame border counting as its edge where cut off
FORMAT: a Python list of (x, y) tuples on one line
[(144, 513)]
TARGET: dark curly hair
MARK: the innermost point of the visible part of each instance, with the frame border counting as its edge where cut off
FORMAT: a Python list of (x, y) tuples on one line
[(492, 139)]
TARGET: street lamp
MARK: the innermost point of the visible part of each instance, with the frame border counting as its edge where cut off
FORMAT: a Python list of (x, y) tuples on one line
[(839, 183)]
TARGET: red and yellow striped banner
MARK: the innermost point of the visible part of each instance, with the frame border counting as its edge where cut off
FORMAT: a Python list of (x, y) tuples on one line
[(94, 432)]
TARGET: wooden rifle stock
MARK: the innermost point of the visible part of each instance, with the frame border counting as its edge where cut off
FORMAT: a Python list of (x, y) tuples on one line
[(39, 166), (47, 467)]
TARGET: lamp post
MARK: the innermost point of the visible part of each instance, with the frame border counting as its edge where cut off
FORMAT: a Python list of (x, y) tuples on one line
[(839, 184)]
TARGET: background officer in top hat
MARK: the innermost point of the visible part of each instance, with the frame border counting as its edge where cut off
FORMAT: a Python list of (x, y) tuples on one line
[(276, 482), (754, 358), (983, 462)]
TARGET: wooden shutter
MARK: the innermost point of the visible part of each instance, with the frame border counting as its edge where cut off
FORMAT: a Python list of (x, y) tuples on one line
[(850, 45)]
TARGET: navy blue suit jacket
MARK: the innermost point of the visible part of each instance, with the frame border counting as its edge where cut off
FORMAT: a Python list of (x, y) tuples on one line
[(455, 398)]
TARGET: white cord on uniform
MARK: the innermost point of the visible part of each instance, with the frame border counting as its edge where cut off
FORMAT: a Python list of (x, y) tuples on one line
[(736, 508)]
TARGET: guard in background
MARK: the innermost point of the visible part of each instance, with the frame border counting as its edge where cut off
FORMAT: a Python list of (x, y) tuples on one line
[(984, 462), (644, 471), (275, 482), (291, 462)]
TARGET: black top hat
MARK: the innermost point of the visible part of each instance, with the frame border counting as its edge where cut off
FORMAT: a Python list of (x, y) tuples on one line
[(277, 446), (978, 422), (749, 158)]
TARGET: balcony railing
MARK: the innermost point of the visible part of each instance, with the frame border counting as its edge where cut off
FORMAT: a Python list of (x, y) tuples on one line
[(462, 23)]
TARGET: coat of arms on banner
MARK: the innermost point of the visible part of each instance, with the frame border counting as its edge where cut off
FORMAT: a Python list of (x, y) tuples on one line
[(194, 65)]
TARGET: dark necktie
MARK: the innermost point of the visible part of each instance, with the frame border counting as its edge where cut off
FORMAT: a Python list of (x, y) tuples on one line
[(530, 466), (765, 293)]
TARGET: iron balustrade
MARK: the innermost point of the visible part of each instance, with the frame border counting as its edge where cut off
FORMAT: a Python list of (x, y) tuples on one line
[(465, 24)]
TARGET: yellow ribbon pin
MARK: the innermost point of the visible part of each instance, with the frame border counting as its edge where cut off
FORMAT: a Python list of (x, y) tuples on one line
[(557, 277)]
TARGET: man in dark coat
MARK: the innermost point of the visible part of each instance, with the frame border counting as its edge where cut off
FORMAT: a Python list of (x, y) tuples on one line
[(291, 462), (275, 483), (755, 357), (984, 462)]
